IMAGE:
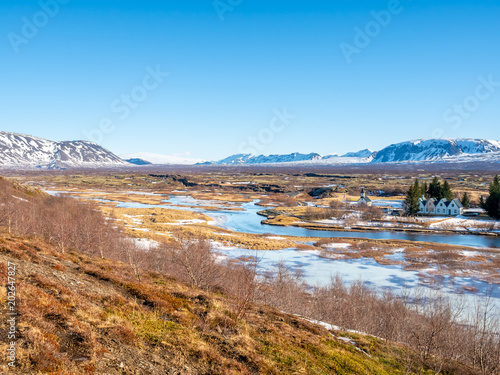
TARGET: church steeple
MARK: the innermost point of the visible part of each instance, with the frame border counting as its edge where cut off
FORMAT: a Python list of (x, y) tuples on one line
[(363, 194)]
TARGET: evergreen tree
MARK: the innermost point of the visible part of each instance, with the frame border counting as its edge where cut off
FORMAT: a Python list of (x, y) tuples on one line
[(411, 202), (435, 189), (492, 204), (466, 200), (416, 187), (482, 203), (424, 189), (447, 193)]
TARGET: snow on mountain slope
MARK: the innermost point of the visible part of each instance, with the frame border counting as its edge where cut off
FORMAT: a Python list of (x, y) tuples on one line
[(424, 151), (291, 159), (137, 161), (262, 159), (161, 159), (360, 154), (24, 151), (435, 150)]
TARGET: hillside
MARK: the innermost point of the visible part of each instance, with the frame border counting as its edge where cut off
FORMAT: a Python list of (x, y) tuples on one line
[(452, 150), (83, 315), (12, 189), (420, 151), (24, 151)]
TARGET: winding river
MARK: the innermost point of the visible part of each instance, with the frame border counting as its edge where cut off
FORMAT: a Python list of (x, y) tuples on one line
[(247, 221), (317, 270)]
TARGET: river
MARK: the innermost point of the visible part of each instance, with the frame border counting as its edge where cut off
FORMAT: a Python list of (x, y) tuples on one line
[(317, 270)]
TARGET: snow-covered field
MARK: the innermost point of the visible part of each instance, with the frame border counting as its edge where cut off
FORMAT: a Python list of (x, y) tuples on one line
[(187, 222), (461, 223)]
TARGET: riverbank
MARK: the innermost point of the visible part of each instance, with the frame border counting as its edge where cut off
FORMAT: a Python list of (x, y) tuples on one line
[(276, 218)]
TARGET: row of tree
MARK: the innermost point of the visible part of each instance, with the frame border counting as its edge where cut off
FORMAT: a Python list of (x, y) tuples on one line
[(435, 189), (439, 190), (492, 203)]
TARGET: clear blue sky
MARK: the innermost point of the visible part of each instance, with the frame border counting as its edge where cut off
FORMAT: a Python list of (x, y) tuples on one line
[(227, 77)]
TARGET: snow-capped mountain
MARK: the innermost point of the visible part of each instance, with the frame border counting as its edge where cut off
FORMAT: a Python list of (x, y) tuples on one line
[(360, 154), (150, 158), (262, 159), (138, 161), (25, 151), (423, 151), (435, 150)]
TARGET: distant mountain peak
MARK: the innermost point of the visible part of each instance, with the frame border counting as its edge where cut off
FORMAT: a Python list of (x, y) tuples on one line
[(435, 150), (366, 153), (160, 159), (138, 161), (25, 151), (239, 159), (420, 150)]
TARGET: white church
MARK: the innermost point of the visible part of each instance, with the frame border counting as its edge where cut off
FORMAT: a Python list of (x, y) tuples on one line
[(443, 207), (364, 200)]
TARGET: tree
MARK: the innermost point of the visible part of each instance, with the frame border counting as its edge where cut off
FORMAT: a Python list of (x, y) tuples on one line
[(194, 259), (424, 188), (492, 204), (466, 200), (435, 189), (412, 197), (482, 203), (370, 213), (7, 213), (447, 193), (336, 209), (133, 255), (245, 284), (417, 187)]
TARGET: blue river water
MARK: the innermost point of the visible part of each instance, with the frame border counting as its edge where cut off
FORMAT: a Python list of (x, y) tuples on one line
[(317, 270), (247, 221)]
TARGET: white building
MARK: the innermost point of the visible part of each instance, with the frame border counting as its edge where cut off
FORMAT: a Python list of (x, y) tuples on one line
[(443, 207), (364, 200), (427, 206)]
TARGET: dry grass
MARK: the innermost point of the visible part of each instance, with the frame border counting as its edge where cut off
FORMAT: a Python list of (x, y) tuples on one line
[(93, 317)]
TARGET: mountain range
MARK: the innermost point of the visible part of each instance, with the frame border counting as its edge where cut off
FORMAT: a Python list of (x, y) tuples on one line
[(24, 151), (419, 151), (143, 158)]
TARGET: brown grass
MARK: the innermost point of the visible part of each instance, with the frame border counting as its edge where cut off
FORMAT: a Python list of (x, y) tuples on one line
[(93, 317)]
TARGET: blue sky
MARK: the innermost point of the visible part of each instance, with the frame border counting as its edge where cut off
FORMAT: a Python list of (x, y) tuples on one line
[(82, 70)]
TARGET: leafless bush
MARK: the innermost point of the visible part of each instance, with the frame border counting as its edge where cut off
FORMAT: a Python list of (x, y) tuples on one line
[(242, 283), (317, 213), (193, 260), (337, 209), (435, 327), (283, 289), (351, 221), (371, 213)]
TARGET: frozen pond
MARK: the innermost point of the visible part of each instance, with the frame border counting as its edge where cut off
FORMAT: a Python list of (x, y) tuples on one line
[(318, 271)]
